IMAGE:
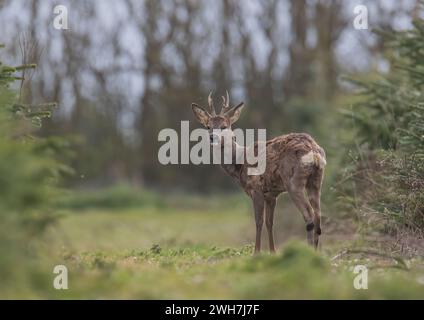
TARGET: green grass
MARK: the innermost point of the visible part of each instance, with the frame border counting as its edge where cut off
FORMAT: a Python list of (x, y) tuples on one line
[(202, 249), (199, 272), (225, 223), (183, 252)]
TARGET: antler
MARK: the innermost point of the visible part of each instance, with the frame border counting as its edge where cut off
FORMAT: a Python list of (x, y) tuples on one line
[(225, 103), (211, 106)]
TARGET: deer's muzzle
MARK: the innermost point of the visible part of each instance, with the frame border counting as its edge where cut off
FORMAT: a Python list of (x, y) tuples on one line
[(214, 138)]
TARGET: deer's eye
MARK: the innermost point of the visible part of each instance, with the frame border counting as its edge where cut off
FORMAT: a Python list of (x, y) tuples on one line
[(224, 127)]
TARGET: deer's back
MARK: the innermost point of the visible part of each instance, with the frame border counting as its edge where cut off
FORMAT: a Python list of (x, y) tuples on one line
[(292, 144), (284, 155)]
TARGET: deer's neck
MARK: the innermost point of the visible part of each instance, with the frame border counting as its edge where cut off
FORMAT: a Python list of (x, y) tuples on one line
[(237, 154)]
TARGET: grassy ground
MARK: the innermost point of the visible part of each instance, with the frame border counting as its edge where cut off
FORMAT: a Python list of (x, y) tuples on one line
[(202, 249)]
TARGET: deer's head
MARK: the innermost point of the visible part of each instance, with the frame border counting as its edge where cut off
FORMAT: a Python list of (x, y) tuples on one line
[(218, 125)]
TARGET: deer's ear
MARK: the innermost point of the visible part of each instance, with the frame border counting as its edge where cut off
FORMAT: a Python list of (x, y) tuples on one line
[(201, 115), (234, 113)]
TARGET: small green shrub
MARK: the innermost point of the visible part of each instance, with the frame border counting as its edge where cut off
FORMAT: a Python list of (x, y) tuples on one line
[(385, 176), (28, 175), (120, 196)]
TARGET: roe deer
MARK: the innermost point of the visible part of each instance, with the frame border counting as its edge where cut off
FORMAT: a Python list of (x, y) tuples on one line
[(294, 164)]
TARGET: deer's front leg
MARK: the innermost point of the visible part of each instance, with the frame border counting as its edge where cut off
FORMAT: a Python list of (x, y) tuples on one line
[(258, 205), (269, 218)]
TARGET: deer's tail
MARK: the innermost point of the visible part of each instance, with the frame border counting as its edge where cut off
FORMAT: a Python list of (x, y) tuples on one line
[(315, 158), (319, 160)]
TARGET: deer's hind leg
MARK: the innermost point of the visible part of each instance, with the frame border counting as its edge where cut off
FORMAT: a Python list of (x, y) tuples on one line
[(313, 187), (296, 189), (269, 220)]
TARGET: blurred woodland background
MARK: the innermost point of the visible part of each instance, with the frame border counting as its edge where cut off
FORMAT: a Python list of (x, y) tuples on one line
[(127, 69), (81, 113)]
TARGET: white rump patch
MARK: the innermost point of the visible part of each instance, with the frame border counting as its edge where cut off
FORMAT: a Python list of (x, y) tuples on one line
[(322, 161), (313, 158), (308, 158)]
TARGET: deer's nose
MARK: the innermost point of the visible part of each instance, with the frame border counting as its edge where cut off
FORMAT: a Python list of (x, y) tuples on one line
[(214, 138)]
